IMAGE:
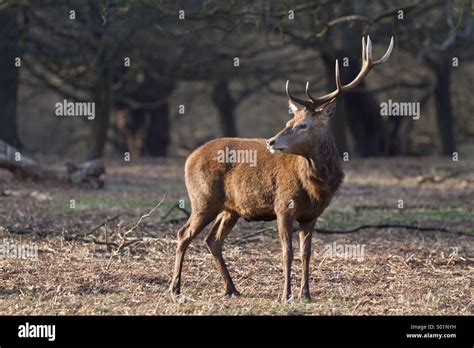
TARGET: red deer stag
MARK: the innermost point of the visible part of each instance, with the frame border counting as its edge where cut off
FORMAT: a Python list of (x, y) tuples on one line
[(298, 172)]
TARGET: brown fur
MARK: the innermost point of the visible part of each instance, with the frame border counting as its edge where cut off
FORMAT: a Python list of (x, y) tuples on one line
[(297, 184)]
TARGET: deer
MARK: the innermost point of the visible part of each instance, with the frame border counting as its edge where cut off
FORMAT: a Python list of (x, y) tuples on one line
[(299, 171)]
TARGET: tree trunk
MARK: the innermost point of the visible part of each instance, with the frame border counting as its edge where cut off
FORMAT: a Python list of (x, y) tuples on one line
[(225, 105), (338, 122), (146, 128), (146, 132), (363, 117), (9, 74), (102, 99), (358, 111), (131, 123), (338, 129), (444, 111), (365, 123), (158, 134)]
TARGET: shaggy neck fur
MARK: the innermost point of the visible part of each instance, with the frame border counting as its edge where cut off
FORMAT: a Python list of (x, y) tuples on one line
[(320, 167)]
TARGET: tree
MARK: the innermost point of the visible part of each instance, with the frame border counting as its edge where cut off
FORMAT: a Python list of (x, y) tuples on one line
[(10, 17), (225, 103), (77, 50), (324, 25)]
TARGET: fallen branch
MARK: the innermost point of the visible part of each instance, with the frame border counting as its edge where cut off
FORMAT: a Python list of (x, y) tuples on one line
[(124, 242), (243, 239), (83, 238), (362, 227), (86, 174), (91, 240), (383, 226), (188, 214), (175, 206), (103, 223), (175, 221), (435, 177)]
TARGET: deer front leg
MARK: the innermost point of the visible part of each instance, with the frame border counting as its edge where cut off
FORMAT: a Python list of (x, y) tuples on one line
[(285, 230), (306, 234)]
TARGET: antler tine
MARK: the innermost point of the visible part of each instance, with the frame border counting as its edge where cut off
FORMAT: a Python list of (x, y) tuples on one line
[(318, 101), (338, 78), (386, 55), (307, 91), (306, 103), (308, 94), (327, 97), (367, 65), (363, 48), (369, 49)]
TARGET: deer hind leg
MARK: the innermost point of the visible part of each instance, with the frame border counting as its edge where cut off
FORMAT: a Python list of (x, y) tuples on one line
[(306, 234), (214, 240), (186, 234)]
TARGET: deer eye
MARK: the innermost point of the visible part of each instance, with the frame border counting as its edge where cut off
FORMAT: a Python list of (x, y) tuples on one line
[(302, 126)]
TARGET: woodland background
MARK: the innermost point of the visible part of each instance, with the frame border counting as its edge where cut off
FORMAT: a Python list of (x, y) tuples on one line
[(406, 199), (190, 62)]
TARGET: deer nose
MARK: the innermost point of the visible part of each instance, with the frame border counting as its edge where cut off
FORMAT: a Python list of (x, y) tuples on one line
[(270, 142)]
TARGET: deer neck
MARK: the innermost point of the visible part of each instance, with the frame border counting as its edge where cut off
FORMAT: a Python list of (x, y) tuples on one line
[(320, 167)]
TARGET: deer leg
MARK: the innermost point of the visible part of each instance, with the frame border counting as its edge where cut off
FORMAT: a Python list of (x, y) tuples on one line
[(186, 234), (285, 230), (214, 240), (306, 234)]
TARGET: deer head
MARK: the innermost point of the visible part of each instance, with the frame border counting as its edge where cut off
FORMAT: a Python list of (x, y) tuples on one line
[(309, 121)]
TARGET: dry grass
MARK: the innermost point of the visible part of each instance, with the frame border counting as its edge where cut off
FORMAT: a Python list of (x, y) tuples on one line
[(417, 276), (402, 272)]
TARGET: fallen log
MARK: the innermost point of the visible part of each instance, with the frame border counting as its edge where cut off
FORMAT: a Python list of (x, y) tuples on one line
[(88, 174)]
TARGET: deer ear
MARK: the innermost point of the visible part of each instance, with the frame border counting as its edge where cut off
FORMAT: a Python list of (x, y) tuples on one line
[(326, 111), (292, 107)]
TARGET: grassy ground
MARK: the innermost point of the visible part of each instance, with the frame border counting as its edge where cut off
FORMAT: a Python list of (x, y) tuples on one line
[(400, 271)]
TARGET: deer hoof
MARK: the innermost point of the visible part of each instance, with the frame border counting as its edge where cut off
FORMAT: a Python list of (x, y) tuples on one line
[(232, 293), (175, 293), (287, 298), (305, 296)]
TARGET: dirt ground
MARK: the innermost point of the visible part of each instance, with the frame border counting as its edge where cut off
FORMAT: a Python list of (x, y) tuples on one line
[(74, 268)]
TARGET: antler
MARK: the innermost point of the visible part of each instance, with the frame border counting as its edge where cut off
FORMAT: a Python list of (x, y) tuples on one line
[(306, 103), (367, 65)]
